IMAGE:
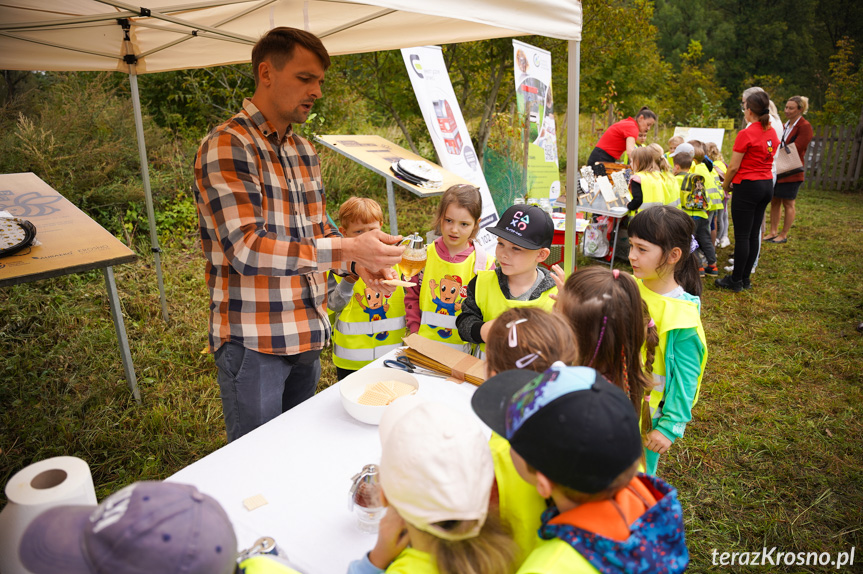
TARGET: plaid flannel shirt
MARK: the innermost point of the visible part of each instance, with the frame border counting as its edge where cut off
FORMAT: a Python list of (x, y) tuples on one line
[(266, 237)]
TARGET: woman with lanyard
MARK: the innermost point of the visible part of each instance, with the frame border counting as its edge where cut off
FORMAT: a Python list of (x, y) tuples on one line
[(751, 173), (621, 137), (798, 131)]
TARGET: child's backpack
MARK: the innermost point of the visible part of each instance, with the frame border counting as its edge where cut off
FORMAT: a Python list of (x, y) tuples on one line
[(693, 195)]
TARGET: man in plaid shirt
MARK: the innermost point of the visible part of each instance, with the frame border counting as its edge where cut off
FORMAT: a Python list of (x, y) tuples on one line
[(267, 240)]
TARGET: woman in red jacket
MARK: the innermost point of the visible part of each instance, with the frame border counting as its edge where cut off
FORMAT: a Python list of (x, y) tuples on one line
[(799, 131), (621, 137)]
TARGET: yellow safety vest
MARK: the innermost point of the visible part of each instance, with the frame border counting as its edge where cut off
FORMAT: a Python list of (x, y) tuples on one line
[(264, 565), (711, 186), (669, 313), (370, 326), (671, 186), (492, 302), (652, 190), (520, 505), (556, 557), (440, 306)]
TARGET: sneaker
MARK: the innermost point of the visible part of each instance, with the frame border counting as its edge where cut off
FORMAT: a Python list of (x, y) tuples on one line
[(729, 268), (701, 271), (728, 283), (747, 284), (712, 270), (731, 260), (725, 242)]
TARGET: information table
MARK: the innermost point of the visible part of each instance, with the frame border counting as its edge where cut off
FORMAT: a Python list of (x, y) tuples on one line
[(302, 463), (70, 242), (378, 154)]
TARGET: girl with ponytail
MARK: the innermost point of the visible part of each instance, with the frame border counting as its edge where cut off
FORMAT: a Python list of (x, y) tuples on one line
[(750, 177), (662, 254)]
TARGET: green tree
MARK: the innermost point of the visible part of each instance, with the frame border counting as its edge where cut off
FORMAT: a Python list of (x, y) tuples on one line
[(844, 98), (693, 96)]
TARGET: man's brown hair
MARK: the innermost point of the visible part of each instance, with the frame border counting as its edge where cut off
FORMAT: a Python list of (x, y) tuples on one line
[(278, 45)]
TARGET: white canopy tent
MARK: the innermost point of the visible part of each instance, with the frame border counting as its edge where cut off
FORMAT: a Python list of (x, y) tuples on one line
[(109, 35)]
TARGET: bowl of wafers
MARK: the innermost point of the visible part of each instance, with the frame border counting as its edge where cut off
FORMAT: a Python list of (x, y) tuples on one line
[(367, 392)]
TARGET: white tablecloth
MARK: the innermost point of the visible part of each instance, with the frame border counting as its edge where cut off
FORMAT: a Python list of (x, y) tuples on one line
[(302, 463)]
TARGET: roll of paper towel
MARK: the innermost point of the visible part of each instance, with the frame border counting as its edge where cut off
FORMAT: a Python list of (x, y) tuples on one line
[(48, 483)]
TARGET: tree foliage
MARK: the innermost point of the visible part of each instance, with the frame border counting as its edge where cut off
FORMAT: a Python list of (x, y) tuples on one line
[(844, 98), (693, 96)]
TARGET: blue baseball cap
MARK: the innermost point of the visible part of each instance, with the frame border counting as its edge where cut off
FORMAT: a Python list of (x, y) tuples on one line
[(569, 423)]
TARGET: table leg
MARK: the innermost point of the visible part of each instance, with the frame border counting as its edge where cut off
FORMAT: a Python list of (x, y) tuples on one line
[(391, 205), (614, 247), (120, 327)]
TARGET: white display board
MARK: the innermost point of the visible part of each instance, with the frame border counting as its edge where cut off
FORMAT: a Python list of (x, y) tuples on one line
[(446, 125), (715, 135)]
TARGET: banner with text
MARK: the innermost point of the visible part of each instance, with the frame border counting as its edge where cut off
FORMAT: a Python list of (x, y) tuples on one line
[(533, 90), (447, 128)]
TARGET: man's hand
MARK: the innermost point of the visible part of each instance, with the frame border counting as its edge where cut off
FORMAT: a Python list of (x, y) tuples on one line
[(374, 250)]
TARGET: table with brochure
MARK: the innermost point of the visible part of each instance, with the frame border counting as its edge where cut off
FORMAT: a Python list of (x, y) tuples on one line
[(302, 463)]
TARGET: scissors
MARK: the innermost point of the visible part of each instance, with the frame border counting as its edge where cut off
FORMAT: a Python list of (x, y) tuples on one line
[(404, 364)]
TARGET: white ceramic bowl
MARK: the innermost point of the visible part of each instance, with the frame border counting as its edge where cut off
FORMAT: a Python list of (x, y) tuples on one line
[(352, 386)]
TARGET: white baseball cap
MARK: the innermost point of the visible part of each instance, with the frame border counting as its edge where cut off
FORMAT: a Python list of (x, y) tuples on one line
[(685, 148), (435, 466)]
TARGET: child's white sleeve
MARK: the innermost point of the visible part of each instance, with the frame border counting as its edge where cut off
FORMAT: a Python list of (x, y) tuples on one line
[(683, 367)]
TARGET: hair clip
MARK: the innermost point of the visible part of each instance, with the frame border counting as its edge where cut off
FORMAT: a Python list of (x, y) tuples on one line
[(693, 245), (512, 339), (616, 273), (599, 341), (527, 359), (651, 323)]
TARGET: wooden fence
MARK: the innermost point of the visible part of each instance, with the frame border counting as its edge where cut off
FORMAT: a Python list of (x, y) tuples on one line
[(834, 159)]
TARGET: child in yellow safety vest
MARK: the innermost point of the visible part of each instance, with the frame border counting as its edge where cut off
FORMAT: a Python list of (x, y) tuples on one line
[(527, 338), (663, 259), (452, 261), (673, 142), (646, 186), (436, 477), (719, 226), (367, 324), (684, 164), (574, 436), (669, 182), (525, 233)]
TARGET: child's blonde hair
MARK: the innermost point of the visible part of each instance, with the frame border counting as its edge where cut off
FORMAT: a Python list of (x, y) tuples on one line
[(675, 141), (360, 210), (539, 339), (659, 157), (641, 159), (492, 551), (713, 152), (605, 309), (461, 195)]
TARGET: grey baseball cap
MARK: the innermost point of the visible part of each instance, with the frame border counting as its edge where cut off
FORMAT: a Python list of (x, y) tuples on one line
[(146, 527)]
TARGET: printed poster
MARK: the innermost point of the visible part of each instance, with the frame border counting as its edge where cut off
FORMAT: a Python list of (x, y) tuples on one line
[(447, 128), (533, 88)]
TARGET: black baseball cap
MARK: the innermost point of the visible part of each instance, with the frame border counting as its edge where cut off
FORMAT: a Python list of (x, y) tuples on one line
[(569, 423), (527, 226)]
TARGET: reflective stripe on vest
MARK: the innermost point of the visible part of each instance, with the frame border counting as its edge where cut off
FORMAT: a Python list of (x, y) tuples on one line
[(366, 355), (437, 310), (369, 321), (669, 314), (370, 327), (492, 302)]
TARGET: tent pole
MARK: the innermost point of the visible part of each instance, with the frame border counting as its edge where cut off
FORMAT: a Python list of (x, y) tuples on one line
[(145, 175), (572, 112)]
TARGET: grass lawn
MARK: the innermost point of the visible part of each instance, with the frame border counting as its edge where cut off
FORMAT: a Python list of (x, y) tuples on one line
[(773, 457)]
